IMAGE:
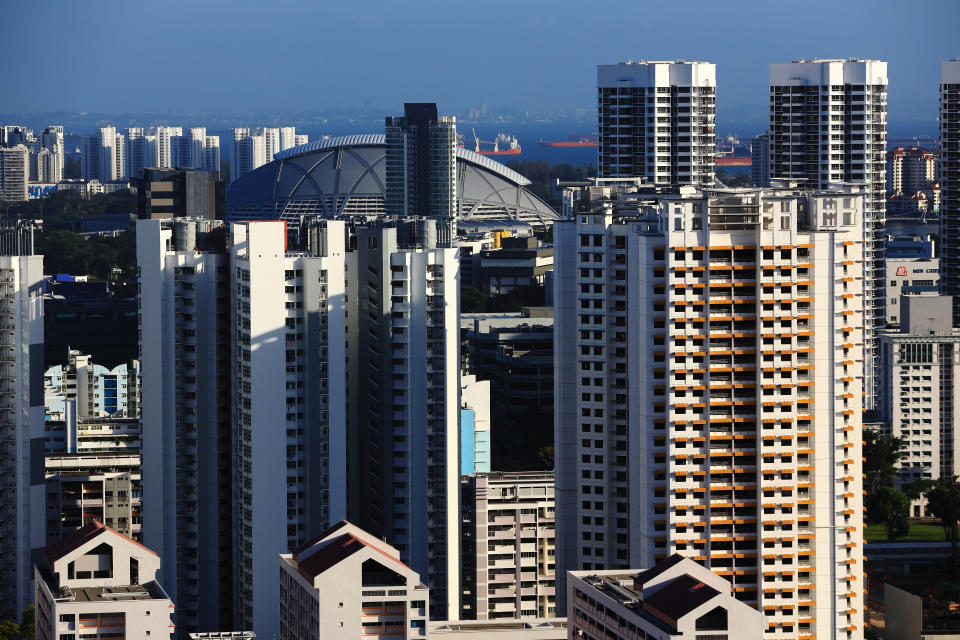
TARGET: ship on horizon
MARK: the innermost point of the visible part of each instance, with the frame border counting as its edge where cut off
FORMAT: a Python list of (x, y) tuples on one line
[(503, 145), (589, 140)]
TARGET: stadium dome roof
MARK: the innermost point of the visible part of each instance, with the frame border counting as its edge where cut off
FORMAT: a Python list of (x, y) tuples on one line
[(344, 176)]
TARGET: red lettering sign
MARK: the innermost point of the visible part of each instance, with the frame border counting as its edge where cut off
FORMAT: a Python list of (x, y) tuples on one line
[(901, 271)]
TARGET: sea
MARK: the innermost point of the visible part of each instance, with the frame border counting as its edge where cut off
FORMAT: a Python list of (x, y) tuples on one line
[(528, 134)]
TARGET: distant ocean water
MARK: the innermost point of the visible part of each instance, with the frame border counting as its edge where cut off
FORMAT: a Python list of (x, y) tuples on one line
[(529, 136)]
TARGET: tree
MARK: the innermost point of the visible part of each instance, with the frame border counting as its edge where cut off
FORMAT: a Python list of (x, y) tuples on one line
[(10, 630), (889, 507), (943, 501), (472, 300), (882, 454)]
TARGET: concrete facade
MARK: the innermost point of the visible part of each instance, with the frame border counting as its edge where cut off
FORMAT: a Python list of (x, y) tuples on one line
[(695, 412), (950, 181), (843, 103), (290, 424), (509, 554), (677, 599), (184, 317), (99, 583), (657, 121), (22, 513), (348, 584)]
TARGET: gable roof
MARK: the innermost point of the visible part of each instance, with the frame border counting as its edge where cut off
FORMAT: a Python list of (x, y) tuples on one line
[(678, 597), (646, 576), (79, 538)]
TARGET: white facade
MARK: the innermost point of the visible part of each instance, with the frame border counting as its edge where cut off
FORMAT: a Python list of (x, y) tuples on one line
[(474, 425), (677, 599), (141, 151), (289, 394), (348, 584), (950, 181), (22, 514), (14, 173), (657, 121), (685, 358), (508, 523), (185, 407), (86, 486), (50, 168), (906, 276), (921, 394), (407, 364), (249, 152), (97, 390), (98, 583), (255, 147), (166, 139), (828, 124)]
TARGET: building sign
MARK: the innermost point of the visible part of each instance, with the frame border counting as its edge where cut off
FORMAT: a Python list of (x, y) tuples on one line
[(901, 271), (39, 189)]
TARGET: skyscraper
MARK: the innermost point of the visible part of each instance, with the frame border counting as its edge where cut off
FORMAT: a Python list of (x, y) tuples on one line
[(141, 151), (656, 121), (290, 424), (828, 124), (185, 407), (104, 156), (51, 168), (249, 152), (760, 160), (695, 411), (22, 491), (14, 173), (255, 147), (421, 167), (404, 381), (950, 182), (166, 141)]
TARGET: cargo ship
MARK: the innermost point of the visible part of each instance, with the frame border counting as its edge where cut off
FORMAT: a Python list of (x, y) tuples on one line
[(503, 145), (574, 141)]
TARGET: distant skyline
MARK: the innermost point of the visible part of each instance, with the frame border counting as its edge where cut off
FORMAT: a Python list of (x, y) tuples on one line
[(219, 56)]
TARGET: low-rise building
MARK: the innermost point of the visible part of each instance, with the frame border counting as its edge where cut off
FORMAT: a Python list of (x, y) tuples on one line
[(676, 599), (508, 546), (514, 351), (97, 583), (346, 583), (519, 262), (921, 390), (912, 268), (474, 425)]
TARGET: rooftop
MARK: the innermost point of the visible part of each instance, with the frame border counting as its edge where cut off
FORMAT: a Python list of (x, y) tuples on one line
[(149, 591)]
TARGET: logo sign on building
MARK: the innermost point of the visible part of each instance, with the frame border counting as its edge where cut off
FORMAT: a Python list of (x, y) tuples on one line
[(901, 271), (37, 190)]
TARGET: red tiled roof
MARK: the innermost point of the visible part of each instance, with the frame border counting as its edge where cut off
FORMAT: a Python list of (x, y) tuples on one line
[(80, 537)]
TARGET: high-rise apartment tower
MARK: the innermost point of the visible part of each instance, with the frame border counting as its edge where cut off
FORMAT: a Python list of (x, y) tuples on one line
[(950, 182), (22, 490), (657, 121), (185, 407), (695, 411), (421, 167), (828, 124), (289, 393)]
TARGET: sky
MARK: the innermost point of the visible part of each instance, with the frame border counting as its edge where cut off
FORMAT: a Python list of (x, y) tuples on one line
[(283, 56)]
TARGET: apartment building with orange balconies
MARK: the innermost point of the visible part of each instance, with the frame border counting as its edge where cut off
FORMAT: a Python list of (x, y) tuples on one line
[(709, 377)]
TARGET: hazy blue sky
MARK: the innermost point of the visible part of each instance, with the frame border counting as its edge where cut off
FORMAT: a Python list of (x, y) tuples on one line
[(238, 56)]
